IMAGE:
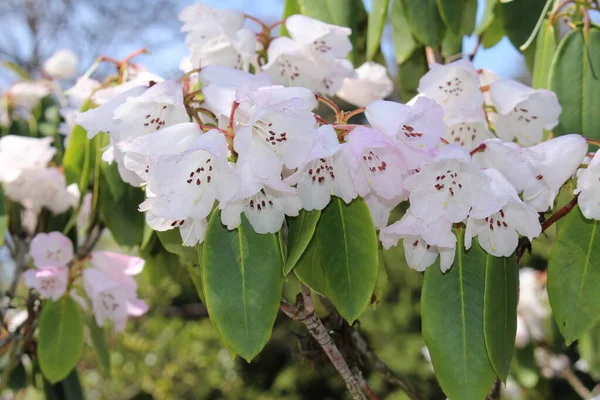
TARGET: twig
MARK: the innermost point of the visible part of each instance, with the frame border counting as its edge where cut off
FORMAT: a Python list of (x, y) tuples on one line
[(494, 393), (304, 311), (364, 385), (389, 375), (576, 383), (559, 214), (433, 56), (90, 241)]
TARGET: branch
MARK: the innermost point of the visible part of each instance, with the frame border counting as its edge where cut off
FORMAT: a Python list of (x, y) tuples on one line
[(494, 393), (304, 311), (576, 383), (389, 375), (90, 241), (559, 214)]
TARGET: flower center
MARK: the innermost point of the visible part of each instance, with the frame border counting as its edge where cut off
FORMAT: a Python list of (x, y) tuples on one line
[(260, 201), (266, 131), (109, 302), (287, 69), (373, 162), (320, 171), (523, 115), (200, 175), (321, 46), (155, 121), (451, 88)]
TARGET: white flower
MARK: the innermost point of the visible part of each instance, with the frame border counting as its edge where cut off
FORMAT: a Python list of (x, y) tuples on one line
[(275, 128), (553, 163), (454, 86), (201, 18), (588, 189), (467, 129), (50, 282), (136, 78), (423, 241), (507, 158), (523, 112), (62, 65), (19, 153), (265, 202), (533, 308), (186, 185), (371, 82), (381, 208), (51, 249), (81, 91), (28, 94), (324, 173), (318, 38), (449, 186), (498, 232), (416, 128)]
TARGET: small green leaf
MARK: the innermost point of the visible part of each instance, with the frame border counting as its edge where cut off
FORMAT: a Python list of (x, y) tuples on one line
[(291, 7), (452, 307), (493, 34), (487, 18), (404, 42), (242, 281), (500, 311), (300, 231), (172, 242), (377, 19), (574, 276), (519, 18), (100, 343), (60, 340), (382, 282), (79, 155), (424, 21), (577, 88), (458, 15), (544, 52), (349, 255), (310, 270), (452, 45)]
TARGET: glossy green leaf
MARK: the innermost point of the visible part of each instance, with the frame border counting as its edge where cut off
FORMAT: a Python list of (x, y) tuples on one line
[(500, 311), (458, 15), (544, 53), (575, 77), (424, 21), (114, 182), (349, 254), (242, 281), (290, 7), (574, 276), (99, 340), (310, 270), (67, 389), (410, 72), (195, 272), (404, 42), (3, 217), (382, 282), (300, 231), (452, 307), (452, 45), (78, 158), (519, 18), (172, 242), (488, 16), (493, 34), (60, 340), (377, 19)]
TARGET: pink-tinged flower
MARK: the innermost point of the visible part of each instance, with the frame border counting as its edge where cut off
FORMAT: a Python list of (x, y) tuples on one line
[(265, 202), (376, 163), (498, 233), (523, 112), (235, 50), (369, 83), (111, 288), (588, 189), (51, 249), (507, 158), (319, 39), (554, 162), (416, 128), (449, 186), (453, 86), (325, 173), (50, 282), (423, 241)]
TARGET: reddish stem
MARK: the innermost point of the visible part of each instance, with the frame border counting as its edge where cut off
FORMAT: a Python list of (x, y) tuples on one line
[(258, 21), (351, 114), (276, 24), (593, 141), (330, 104), (321, 120), (234, 107), (559, 214)]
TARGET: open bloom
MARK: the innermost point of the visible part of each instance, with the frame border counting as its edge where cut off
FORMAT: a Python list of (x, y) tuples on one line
[(533, 309), (507, 158), (50, 282), (28, 94), (523, 112), (588, 189), (454, 86), (19, 153), (265, 202), (324, 173), (449, 186), (467, 129), (319, 39), (371, 82), (110, 286), (498, 232), (62, 65), (423, 241), (51, 249)]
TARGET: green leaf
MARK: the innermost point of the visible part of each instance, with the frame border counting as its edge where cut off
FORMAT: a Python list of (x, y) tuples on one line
[(424, 21), (171, 241), (60, 340), (67, 389), (458, 15), (410, 72), (310, 270), (488, 16), (300, 231), (349, 254), (290, 7), (377, 18), (404, 42), (100, 343), (336, 12), (114, 182), (242, 281), (24, 75), (79, 155), (524, 367), (3, 217), (493, 34), (382, 281), (452, 45), (574, 276), (500, 311), (519, 18), (588, 346), (577, 87), (452, 307), (544, 52), (195, 272)]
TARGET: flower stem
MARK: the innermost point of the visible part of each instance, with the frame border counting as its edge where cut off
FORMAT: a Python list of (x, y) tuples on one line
[(332, 105), (351, 114), (593, 141), (559, 214)]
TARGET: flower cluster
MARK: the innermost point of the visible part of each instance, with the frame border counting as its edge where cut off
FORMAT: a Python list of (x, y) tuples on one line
[(107, 282), (256, 146)]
